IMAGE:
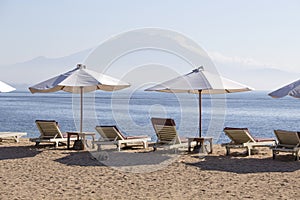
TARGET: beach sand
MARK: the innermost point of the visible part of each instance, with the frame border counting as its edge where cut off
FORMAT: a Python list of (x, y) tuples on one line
[(27, 172)]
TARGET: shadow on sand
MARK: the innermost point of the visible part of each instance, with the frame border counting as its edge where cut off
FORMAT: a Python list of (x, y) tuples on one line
[(79, 158), (124, 161), (7, 153), (245, 165)]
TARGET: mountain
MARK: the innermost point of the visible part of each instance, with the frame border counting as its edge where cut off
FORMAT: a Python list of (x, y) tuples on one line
[(258, 78), (22, 75)]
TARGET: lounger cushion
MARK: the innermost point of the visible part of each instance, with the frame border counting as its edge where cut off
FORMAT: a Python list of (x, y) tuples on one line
[(263, 139)]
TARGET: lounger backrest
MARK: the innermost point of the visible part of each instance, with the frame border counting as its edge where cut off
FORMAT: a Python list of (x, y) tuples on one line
[(165, 130), (238, 135), (287, 137), (48, 129), (109, 133)]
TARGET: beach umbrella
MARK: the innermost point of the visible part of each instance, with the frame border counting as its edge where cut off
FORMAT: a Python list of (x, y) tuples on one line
[(292, 89), (200, 82), (79, 80), (5, 88)]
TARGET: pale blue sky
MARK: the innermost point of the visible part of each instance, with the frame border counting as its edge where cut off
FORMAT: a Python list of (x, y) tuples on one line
[(264, 32)]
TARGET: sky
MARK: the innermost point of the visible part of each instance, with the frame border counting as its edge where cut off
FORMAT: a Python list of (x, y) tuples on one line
[(259, 33)]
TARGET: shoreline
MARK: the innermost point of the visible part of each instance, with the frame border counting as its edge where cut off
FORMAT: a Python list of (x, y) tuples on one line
[(28, 172)]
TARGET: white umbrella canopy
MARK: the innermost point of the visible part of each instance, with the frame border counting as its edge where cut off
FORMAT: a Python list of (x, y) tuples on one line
[(200, 82), (79, 80), (5, 87), (292, 89)]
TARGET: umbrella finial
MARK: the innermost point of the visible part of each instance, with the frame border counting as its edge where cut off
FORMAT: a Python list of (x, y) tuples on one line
[(81, 66), (198, 69)]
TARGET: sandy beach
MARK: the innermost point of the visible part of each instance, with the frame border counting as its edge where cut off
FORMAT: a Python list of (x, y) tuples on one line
[(27, 172)]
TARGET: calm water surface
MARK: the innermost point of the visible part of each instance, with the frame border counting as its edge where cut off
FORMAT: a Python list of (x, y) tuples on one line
[(132, 112)]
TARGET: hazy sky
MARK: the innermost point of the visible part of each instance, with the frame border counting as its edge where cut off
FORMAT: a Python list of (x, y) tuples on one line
[(265, 33)]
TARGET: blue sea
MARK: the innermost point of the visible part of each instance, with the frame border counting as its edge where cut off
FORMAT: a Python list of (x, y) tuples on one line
[(131, 112)]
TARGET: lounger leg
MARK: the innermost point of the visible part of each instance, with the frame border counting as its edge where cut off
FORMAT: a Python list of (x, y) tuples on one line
[(37, 144), (211, 146), (189, 144), (297, 156), (249, 151), (274, 155), (119, 145), (16, 138), (154, 147), (227, 151), (98, 147), (145, 143), (202, 148)]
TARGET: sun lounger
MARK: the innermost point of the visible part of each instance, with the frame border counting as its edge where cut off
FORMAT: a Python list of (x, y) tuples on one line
[(11, 135), (167, 136), (50, 133), (112, 135), (241, 138), (288, 141)]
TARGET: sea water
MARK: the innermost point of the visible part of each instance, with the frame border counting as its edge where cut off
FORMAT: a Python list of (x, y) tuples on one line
[(132, 111)]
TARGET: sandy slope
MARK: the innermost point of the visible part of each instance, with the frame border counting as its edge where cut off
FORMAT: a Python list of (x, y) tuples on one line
[(27, 172)]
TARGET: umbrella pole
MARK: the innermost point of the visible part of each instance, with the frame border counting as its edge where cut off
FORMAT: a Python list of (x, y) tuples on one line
[(81, 108), (200, 112)]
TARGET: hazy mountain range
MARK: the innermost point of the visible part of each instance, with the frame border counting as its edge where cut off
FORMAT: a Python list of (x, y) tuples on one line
[(22, 75), (258, 78)]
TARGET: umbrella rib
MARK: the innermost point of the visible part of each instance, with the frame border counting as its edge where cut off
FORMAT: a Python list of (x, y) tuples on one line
[(62, 87)]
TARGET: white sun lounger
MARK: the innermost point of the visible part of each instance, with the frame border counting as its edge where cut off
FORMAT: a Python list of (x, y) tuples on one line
[(12, 135), (241, 138), (112, 135), (50, 133), (288, 141), (167, 136)]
